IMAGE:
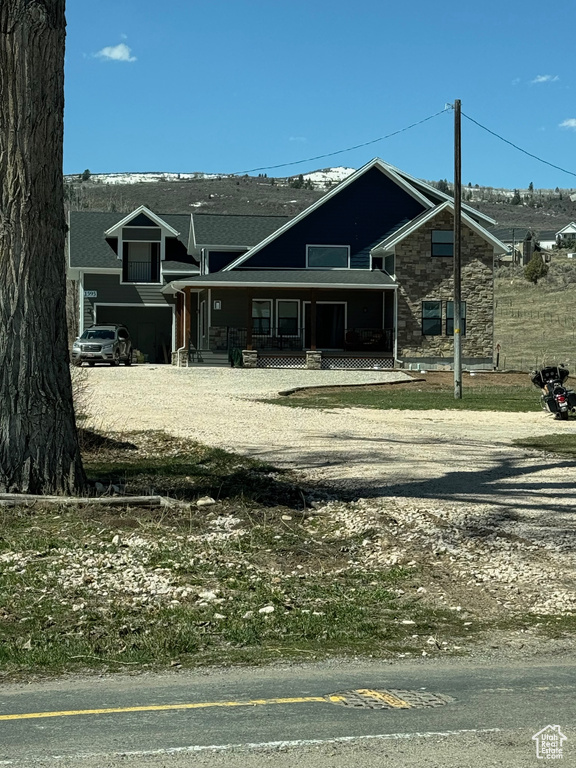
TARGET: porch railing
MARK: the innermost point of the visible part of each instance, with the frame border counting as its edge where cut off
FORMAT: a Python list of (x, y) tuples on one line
[(272, 339), (352, 339), (369, 340)]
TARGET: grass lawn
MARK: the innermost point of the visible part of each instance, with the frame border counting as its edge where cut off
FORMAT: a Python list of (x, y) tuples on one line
[(562, 444), (252, 578), (271, 571), (434, 390)]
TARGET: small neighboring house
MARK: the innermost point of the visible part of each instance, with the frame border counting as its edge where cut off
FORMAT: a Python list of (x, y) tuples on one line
[(360, 279), (547, 239), (566, 235), (513, 238), (522, 243)]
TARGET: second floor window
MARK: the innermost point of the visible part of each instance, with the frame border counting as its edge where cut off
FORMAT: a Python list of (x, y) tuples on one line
[(141, 263), (442, 242), (327, 256)]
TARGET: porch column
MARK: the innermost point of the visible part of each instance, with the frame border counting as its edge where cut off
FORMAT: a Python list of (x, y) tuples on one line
[(313, 320), (187, 315), (179, 325), (250, 323)]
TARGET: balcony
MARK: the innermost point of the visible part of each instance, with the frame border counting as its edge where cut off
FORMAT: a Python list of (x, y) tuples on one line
[(141, 272)]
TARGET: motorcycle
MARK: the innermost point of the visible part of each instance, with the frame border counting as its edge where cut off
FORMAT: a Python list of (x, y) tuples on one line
[(555, 397)]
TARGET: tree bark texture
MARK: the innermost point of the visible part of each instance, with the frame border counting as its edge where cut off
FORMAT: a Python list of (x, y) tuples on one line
[(39, 451)]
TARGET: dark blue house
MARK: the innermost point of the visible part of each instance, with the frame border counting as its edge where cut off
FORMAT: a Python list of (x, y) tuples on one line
[(361, 279)]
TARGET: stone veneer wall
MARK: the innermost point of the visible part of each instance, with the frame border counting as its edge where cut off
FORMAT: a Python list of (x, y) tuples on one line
[(423, 277), (218, 338)]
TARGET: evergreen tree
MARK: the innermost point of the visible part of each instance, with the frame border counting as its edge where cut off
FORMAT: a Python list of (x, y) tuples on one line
[(442, 186), (535, 269)]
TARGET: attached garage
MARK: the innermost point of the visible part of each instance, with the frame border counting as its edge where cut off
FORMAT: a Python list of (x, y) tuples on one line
[(150, 327)]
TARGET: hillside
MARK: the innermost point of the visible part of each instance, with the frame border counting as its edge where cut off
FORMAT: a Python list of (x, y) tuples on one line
[(540, 210), (532, 323)]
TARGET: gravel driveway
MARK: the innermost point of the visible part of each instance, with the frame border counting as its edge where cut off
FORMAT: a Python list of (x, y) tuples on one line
[(505, 516), (456, 454)]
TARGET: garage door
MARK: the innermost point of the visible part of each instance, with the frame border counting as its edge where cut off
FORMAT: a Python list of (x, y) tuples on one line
[(150, 328)]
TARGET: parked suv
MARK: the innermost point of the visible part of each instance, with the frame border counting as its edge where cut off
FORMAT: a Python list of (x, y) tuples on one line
[(103, 344)]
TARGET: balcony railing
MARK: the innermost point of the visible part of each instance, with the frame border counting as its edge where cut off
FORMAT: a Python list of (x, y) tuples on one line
[(140, 272)]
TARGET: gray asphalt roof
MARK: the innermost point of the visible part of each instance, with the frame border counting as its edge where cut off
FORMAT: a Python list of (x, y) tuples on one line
[(234, 230), (180, 266), (88, 247), (507, 234), (329, 278)]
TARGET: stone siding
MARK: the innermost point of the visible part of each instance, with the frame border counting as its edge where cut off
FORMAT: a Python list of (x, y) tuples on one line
[(218, 338), (423, 277)]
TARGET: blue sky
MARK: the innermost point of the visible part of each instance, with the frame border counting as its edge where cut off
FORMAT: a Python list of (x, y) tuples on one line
[(230, 85)]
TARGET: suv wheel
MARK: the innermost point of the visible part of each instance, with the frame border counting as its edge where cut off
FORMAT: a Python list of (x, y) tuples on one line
[(128, 360), (116, 360)]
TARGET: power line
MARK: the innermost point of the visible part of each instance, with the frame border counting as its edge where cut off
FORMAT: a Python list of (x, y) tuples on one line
[(540, 160), (341, 151)]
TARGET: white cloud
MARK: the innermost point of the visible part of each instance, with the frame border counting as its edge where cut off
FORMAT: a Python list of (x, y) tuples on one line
[(516, 81), (546, 79), (120, 52), (570, 123)]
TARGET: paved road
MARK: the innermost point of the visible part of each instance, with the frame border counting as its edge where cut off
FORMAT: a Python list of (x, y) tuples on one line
[(491, 714)]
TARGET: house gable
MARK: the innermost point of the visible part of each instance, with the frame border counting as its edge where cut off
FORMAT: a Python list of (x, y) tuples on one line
[(361, 214), (93, 241), (568, 232)]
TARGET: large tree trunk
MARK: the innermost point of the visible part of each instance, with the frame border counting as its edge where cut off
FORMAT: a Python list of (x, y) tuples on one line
[(39, 451)]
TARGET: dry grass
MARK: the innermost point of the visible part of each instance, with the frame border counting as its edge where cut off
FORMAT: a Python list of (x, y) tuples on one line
[(534, 324)]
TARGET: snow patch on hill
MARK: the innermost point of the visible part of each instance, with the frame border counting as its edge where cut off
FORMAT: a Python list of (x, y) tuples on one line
[(320, 179), (328, 176)]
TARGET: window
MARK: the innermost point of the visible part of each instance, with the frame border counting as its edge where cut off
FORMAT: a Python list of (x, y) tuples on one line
[(288, 316), (327, 256), (450, 318), (442, 242), (262, 316), (432, 318)]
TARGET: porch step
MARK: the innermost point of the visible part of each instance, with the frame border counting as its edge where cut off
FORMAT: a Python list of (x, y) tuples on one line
[(206, 358)]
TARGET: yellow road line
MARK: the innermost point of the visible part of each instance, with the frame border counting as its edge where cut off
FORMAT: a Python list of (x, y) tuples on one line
[(388, 698), (163, 707)]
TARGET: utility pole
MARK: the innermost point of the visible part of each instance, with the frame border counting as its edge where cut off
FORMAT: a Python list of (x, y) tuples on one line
[(457, 259)]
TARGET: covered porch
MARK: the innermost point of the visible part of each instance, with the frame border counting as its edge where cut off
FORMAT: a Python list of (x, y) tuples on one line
[(275, 324)]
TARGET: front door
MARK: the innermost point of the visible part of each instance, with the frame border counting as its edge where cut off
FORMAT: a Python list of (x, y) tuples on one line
[(330, 325)]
